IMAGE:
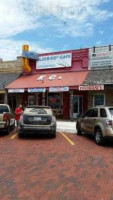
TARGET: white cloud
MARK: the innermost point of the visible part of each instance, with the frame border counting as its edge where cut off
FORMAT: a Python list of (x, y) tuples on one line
[(10, 49), (81, 15), (21, 15), (16, 17)]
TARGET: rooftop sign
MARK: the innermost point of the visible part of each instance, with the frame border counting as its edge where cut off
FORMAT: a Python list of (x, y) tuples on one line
[(101, 57), (54, 61), (30, 55)]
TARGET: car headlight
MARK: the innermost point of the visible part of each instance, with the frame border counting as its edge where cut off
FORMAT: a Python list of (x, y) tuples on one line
[(53, 119)]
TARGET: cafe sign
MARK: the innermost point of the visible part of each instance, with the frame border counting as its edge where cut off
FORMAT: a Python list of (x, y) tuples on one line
[(54, 61), (91, 87), (101, 57)]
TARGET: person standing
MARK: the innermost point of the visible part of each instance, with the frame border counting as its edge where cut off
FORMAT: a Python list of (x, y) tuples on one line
[(18, 112)]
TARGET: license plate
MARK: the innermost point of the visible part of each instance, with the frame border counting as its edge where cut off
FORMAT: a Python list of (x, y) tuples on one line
[(37, 118)]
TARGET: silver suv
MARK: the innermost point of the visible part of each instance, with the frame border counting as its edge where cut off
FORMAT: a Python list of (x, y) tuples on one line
[(37, 119), (97, 121)]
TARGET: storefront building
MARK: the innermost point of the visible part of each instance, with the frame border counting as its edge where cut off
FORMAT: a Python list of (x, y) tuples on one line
[(54, 80), (99, 81)]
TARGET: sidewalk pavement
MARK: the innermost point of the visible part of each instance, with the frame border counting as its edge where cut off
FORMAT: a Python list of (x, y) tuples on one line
[(66, 126)]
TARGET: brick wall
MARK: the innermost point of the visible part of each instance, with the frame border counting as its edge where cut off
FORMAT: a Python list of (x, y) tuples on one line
[(14, 66)]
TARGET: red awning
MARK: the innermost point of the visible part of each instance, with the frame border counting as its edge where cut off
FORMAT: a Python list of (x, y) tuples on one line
[(71, 79)]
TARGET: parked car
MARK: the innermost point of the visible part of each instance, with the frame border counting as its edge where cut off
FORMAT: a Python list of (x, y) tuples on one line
[(7, 120), (37, 119), (97, 121)]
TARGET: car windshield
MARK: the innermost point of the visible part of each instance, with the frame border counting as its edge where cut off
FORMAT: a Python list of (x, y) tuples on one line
[(111, 111), (3, 109)]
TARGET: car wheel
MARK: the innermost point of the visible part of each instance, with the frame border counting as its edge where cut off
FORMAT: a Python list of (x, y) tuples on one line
[(20, 134), (13, 126), (78, 130), (99, 137), (8, 130), (53, 134)]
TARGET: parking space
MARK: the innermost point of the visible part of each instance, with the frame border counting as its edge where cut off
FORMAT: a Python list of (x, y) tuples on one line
[(68, 167)]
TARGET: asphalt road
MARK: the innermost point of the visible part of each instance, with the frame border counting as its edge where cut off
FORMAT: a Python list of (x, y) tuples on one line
[(69, 167)]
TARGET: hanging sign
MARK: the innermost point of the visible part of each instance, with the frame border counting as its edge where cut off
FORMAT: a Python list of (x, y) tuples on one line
[(58, 89), (54, 61), (30, 55), (91, 87), (16, 90), (33, 90)]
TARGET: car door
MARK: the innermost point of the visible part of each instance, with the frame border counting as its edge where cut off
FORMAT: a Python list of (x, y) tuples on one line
[(85, 121), (89, 119), (92, 119)]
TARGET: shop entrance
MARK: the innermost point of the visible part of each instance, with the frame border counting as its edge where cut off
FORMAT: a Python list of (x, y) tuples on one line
[(77, 105), (55, 102)]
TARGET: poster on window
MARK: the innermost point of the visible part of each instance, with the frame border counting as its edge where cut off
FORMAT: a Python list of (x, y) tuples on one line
[(54, 100)]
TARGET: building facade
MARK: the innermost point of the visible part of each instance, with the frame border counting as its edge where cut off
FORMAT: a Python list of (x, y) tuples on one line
[(54, 80), (99, 81)]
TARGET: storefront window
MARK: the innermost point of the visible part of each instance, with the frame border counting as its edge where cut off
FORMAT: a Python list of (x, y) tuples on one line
[(1, 98), (12, 101), (54, 100), (99, 99), (31, 100)]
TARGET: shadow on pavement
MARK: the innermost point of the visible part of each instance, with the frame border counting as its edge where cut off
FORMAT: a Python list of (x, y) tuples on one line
[(36, 136), (107, 143)]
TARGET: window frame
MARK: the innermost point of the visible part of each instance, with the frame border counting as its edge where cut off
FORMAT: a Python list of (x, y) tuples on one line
[(94, 99)]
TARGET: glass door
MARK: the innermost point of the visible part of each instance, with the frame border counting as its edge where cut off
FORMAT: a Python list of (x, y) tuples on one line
[(77, 105)]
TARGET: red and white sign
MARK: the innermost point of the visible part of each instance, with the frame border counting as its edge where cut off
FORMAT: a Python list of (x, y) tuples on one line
[(91, 87)]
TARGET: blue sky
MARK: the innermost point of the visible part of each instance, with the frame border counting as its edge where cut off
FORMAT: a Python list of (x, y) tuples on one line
[(48, 25)]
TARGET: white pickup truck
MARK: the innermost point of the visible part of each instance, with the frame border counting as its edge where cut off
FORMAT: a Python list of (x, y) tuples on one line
[(7, 120)]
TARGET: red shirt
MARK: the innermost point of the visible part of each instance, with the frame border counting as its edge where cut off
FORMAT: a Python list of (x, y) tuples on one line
[(18, 112)]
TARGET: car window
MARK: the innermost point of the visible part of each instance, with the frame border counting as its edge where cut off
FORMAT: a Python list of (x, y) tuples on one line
[(91, 113), (38, 111), (111, 111), (3, 109), (103, 112)]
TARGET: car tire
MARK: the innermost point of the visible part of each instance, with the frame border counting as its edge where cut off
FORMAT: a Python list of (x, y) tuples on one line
[(8, 130), (78, 130), (13, 126), (53, 134), (20, 134), (99, 139)]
